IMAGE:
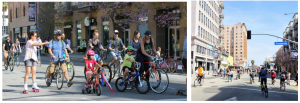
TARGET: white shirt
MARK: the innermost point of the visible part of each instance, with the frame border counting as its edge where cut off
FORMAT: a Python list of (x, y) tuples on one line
[(30, 51), (38, 41)]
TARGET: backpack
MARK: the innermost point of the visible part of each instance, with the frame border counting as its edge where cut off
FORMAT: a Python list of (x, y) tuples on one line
[(263, 73), (112, 42)]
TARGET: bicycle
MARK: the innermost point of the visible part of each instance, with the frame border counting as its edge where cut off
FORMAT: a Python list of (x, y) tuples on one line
[(155, 78), (168, 65), (198, 81), (282, 85), (16, 59), (57, 74), (264, 90), (9, 60), (179, 63), (93, 85), (273, 81), (70, 69), (106, 69), (118, 65), (252, 80), (136, 81)]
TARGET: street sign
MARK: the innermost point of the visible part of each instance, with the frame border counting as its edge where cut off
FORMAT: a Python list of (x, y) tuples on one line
[(281, 43), (39, 28)]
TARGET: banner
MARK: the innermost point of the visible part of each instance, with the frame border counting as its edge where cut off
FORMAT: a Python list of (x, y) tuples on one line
[(294, 54), (31, 11)]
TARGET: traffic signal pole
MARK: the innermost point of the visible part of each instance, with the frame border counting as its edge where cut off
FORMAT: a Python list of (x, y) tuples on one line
[(278, 37)]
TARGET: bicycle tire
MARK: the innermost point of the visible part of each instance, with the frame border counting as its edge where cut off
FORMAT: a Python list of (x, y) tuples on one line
[(165, 67), (18, 61), (139, 89), (120, 71), (161, 75), (46, 77), (115, 70), (195, 82), (266, 92), (12, 64), (7, 64), (71, 70), (117, 84), (109, 76), (172, 66), (98, 89), (59, 75)]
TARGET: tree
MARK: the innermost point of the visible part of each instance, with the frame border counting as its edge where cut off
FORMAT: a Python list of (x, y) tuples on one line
[(4, 9), (252, 62), (289, 64)]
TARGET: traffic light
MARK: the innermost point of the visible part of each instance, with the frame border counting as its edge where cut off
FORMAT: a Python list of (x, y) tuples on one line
[(249, 34)]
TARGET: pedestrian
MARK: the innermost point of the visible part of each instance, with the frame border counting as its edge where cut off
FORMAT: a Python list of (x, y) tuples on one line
[(296, 77), (184, 55), (288, 77), (224, 72), (69, 43), (135, 42), (46, 46), (30, 60)]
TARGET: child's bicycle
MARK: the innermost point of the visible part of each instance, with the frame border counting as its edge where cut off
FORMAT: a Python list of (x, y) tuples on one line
[(107, 71), (94, 85), (142, 85)]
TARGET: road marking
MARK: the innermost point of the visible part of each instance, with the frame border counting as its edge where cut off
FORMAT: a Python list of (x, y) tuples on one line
[(183, 99), (295, 86), (232, 99)]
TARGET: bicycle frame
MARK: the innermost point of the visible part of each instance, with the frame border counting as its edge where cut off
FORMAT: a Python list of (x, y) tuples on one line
[(135, 77), (152, 67)]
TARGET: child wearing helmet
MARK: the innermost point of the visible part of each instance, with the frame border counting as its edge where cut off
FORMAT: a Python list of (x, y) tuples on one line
[(89, 65), (128, 60)]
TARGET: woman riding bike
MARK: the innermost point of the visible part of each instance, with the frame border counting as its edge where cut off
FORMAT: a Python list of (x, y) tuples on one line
[(94, 44)]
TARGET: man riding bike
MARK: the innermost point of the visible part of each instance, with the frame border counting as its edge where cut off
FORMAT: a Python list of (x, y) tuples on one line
[(56, 49), (200, 73), (251, 76), (282, 77), (114, 46), (273, 76), (7, 44), (263, 75)]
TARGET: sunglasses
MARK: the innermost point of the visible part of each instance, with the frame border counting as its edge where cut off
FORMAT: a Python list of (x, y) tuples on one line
[(129, 51)]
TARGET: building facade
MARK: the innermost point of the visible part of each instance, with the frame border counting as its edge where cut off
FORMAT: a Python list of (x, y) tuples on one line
[(5, 23), (19, 22), (206, 39), (235, 42), (291, 33), (163, 36)]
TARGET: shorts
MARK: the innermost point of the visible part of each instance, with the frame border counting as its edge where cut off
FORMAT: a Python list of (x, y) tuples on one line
[(52, 66), (88, 72), (5, 54), (30, 63), (130, 69), (113, 54), (273, 78)]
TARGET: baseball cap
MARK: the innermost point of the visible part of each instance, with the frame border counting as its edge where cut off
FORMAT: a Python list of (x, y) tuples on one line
[(148, 32), (116, 32)]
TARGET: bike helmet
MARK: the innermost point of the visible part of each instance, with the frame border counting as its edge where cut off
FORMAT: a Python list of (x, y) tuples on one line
[(130, 48), (282, 71), (90, 52), (57, 32)]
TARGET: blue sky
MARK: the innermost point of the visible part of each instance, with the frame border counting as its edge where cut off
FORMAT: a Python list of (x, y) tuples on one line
[(261, 17)]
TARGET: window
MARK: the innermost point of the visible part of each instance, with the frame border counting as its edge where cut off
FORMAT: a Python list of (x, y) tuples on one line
[(241, 56), (24, 11), (236, 49), (235, 52), (199, 15), (16, 12), (197, 48), (241, 46), (241, 26), (10, 15), (241, 53), (199, 31), (236, 33), (227, 46), (241, 40), (236, 36), (236, 46), (199, 3), (241, 36), (232, 37)]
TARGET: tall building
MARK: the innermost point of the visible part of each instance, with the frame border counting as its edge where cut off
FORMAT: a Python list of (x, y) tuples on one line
[(291, 33), (235, 42), (206, 39)]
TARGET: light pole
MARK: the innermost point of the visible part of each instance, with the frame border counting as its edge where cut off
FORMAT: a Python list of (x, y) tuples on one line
[(290, 13)]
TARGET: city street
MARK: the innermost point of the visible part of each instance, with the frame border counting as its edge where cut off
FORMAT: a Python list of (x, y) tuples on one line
[(218, 89), (13, 83)]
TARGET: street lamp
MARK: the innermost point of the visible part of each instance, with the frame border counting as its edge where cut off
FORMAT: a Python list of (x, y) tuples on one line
[(289, 13)]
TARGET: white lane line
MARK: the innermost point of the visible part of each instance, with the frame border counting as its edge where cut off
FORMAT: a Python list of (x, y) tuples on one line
[(232, 99), (183, 99)]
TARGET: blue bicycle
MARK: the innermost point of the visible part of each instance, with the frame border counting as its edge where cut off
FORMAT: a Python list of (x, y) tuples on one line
[(142, 85)]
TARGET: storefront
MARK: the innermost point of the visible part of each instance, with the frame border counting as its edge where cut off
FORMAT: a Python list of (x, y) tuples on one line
[(16, 33), (24, 32)]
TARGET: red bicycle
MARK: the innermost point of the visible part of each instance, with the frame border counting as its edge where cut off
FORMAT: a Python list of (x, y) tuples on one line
[(94, 85)]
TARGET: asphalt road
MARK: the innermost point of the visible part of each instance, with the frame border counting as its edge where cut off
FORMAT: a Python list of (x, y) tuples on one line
[(219, 89), (13, 82)]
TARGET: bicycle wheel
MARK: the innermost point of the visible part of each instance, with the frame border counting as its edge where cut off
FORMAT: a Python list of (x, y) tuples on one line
[(120, 87), (165, 67), (196, 82), (46, 77), (159, 81), (107, 73), (120, 71), (114, 70), (12, 64), (266, 92), (7, 63), (18, 61), (172, 66), (144, 87), (98, 89), (71, 70), (59, 78)]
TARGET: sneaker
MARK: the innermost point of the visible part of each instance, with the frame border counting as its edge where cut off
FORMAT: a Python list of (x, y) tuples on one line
[(70, 83), (85, 85), (129, 87), (48, 81)]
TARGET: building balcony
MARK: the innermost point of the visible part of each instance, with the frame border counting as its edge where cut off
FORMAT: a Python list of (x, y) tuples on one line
[(221, 4), (85, 7), (291, 23), (284, 34), (221, 15)]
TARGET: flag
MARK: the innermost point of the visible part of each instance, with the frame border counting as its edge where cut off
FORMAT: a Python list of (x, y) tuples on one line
[(104, 78)]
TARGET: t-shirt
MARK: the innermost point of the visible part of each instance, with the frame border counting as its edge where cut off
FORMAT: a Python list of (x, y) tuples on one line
[(8, 45), (30, 51), (57, 49), (135, 45), (200, 71), (115, 44), (127, 62), (38, 41), (90, 64)]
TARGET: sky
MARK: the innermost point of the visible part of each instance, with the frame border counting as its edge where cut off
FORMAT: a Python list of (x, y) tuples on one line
[(261, 17)]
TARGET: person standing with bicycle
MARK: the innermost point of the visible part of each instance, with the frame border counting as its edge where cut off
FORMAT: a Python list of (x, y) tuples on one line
[(144, 52), (57, 48), (6, 46), (135, 42), (263, 76), (114, 45), (30, 60)]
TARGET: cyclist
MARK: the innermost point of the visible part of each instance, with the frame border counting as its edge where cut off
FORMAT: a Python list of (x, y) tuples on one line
[(89, 64), (18, 48), (282, 77), (128, 60), (114, 46), (200, 73), (251, 76), (263, 75), (63, 39), (143, 53), (135, 42), (273, 76), (57, 48), (30, 60), (7, 44)]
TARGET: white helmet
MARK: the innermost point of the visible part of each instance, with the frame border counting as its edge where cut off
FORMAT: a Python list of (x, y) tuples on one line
[(57, 32)]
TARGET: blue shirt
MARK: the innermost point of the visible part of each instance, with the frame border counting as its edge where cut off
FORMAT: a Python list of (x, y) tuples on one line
[(115, 44), (263, 72), (184, 54), (57, 49), (135, 45)]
